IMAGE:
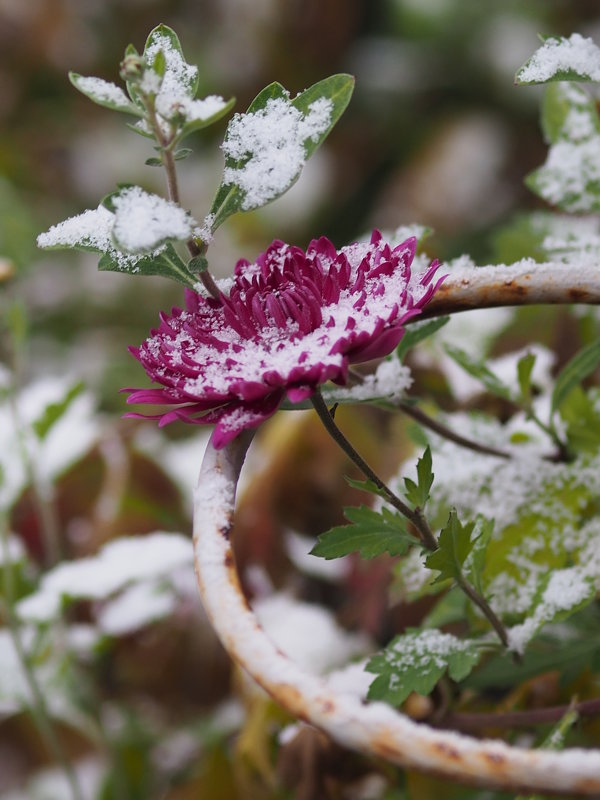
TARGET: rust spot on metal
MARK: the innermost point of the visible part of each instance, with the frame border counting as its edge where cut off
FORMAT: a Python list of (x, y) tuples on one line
[(447, 750), (578, 295), (494, 758)]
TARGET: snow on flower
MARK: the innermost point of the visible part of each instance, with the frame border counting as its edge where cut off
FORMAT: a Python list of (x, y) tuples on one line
[(292, 321)]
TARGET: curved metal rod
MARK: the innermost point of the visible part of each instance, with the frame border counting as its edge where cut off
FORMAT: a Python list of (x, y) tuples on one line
[(374, 728), (523, 283)]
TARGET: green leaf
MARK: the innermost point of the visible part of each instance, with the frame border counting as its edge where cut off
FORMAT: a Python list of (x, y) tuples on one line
[(164, 39), (338, 90), (475, 561), (256, 167), (417, 332), (200, 123), (581, 413), (561, 59), (371, 534), (418, 493), (546, 654), (153, 162), (416, 660), (576, 370), (454, 545), (451, 607), (54, 411), (366, 486), (524, 369), (104, 94), (479, 371), (180, 155), (168, 265)]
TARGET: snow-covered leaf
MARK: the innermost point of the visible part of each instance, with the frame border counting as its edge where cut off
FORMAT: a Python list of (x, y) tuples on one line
[(104, 94), (560, 594), (416, 660), (570, 177), (266, 148), (562, 59)]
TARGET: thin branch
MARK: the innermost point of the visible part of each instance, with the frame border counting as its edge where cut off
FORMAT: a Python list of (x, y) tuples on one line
[(168, 159), (447, 433), (476, 721), (415, 517)]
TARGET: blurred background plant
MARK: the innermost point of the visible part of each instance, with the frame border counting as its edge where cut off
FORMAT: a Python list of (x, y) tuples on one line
[(143, 705)]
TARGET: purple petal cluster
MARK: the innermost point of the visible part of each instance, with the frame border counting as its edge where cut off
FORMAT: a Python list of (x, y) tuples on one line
[(292, 321)]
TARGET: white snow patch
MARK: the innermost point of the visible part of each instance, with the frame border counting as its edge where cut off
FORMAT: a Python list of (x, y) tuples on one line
[(308, 634), (137, 606), (271, 141), (576, 53), (119, 563), (103, 91), (144, 221)]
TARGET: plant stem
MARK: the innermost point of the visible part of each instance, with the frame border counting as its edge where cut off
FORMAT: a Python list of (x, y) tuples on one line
[(438, 427), (415, 517), (166, 144), (39, 708), (480, 601), (472, 721)]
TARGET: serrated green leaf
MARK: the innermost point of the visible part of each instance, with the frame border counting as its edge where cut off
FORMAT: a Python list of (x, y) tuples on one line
[(366, 486), (231, 197), (524, 369), (371, 534), (576, 370), (54, 411), (417, 332), (417, 494), (454, 545), (104, 93), (416, 660), (475, 561), (168, 265), (561, 59)]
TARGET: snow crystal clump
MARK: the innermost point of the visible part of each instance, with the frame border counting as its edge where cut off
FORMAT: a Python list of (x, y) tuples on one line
[(577, 54), (272, 140)]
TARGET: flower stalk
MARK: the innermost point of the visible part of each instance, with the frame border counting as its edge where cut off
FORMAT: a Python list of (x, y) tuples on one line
[(415, 517)]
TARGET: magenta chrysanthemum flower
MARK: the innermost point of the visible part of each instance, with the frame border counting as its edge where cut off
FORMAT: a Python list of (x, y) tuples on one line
[(292, 321)]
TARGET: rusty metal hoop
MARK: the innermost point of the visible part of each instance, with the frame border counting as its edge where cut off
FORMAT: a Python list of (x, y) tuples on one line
[(376, 728)]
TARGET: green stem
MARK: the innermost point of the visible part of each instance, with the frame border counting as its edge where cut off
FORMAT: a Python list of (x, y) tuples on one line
[(166, 144), (414, 516), (39, 708), (480, 601), (442, 430)]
